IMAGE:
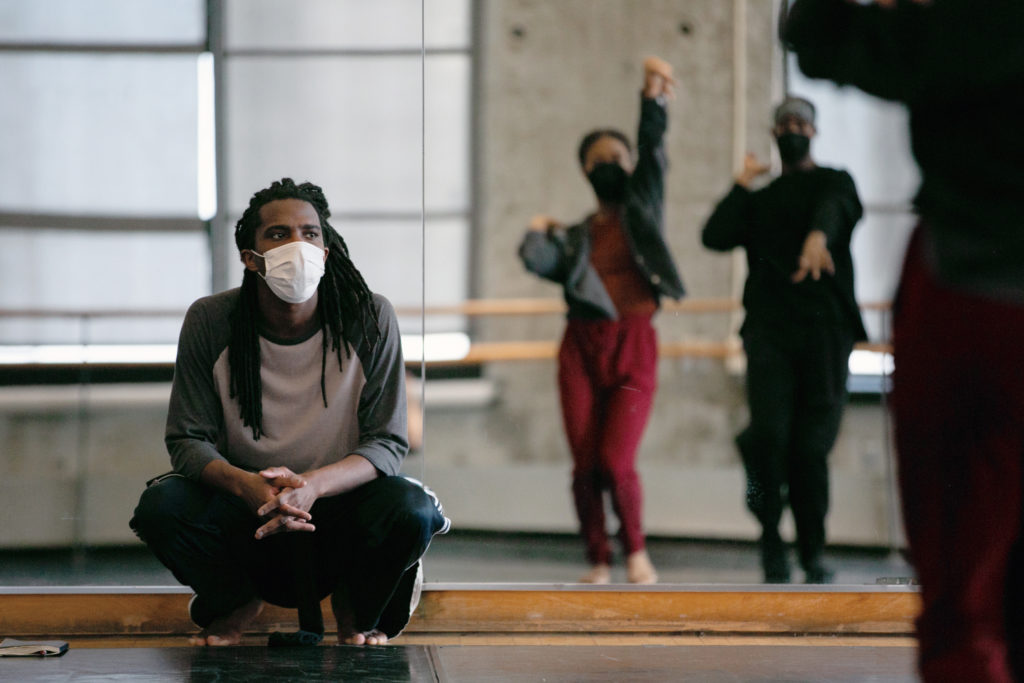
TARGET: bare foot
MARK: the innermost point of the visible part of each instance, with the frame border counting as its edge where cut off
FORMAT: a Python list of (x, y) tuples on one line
[(347, 632), (639, 568), (599, 573), (371, 637), (227, 630)]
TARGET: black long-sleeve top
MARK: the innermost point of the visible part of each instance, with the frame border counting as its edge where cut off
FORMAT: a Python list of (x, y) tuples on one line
[(771, 224), (959, 66)]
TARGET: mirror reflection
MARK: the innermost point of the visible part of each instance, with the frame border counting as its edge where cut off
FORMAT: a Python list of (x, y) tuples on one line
[(435, 157), (539, 94)]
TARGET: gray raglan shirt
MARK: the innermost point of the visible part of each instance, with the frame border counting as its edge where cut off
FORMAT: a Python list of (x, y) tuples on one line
[(365, 413)]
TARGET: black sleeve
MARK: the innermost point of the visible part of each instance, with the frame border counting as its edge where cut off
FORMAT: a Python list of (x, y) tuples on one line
[(912, 52), (647, 184), (727, 227), (838, 209)]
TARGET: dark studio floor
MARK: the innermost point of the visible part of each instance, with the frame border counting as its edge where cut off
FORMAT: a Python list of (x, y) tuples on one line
[(478, 557), (473, 664)]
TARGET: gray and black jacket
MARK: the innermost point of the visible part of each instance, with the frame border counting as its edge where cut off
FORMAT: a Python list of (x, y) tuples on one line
[(563, 255)]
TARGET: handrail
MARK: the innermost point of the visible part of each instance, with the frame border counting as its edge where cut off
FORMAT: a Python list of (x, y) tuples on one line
[(94, 313), (485, 352), (523, 350), (489, 352), (540, 306), (469, 307)]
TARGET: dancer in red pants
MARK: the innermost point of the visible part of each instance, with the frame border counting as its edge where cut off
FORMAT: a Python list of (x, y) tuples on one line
[(614, 266)]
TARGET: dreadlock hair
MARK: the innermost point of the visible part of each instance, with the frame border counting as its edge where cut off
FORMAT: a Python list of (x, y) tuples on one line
[(344, 301)]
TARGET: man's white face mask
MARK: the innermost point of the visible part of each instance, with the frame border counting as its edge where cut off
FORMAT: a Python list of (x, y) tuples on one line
[(293, 270)]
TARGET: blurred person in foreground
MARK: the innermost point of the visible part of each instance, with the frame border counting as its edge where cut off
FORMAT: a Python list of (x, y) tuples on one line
[(959, 313)]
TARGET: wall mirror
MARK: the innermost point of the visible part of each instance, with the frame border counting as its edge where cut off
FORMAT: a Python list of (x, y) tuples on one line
[(137, 131), (545, 73)]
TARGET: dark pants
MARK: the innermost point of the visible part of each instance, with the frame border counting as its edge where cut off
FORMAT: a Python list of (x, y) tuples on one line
[(958, 405), (366, 539), (796, 389), (607, 376)]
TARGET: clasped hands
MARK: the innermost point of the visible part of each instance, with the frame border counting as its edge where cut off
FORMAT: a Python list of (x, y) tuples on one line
[(283, 499)]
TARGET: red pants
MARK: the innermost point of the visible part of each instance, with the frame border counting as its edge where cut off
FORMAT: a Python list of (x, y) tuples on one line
[(959, 412), (607, 376)]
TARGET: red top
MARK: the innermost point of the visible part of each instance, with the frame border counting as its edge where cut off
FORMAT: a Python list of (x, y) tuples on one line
[(611, 257)]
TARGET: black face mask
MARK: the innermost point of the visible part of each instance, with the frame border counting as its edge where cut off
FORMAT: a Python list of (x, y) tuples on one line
[(793, 147), (609, 182)]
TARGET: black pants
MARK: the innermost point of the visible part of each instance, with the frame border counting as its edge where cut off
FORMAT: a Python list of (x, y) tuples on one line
[(796, 390), (370, 538)]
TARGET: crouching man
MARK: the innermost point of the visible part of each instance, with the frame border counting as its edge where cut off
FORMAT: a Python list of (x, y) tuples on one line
[(286, 431)]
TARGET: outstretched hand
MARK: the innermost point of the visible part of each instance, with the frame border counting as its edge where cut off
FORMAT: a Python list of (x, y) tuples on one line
[(288, 509), (815, 258), (752, 168), (658, 79), (541, 223)]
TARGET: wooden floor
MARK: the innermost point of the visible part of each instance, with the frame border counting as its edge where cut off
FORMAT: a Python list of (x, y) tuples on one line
[(662, 610), (508, 632)]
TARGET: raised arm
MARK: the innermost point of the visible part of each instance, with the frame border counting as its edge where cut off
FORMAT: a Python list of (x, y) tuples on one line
[(727, 226), (648, 180)]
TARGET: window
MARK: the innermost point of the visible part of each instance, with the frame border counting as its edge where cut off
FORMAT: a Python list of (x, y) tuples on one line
[(109, 181)]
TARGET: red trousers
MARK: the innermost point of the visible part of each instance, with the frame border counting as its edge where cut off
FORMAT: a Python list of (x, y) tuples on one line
[(607, 376), (958, 405)]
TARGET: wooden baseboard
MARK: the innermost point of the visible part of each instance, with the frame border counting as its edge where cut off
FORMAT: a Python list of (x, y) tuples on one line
[(464, 610), (548, 638), (667, 611)]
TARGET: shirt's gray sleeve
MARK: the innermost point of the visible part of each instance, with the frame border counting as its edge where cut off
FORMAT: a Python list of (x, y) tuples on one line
[(383, 430), (195, 416)]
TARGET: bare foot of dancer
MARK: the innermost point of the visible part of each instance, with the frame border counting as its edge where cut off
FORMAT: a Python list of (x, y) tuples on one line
[(347, 632), (227, 630), (371, 637), (599, 573), (639, 568)]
